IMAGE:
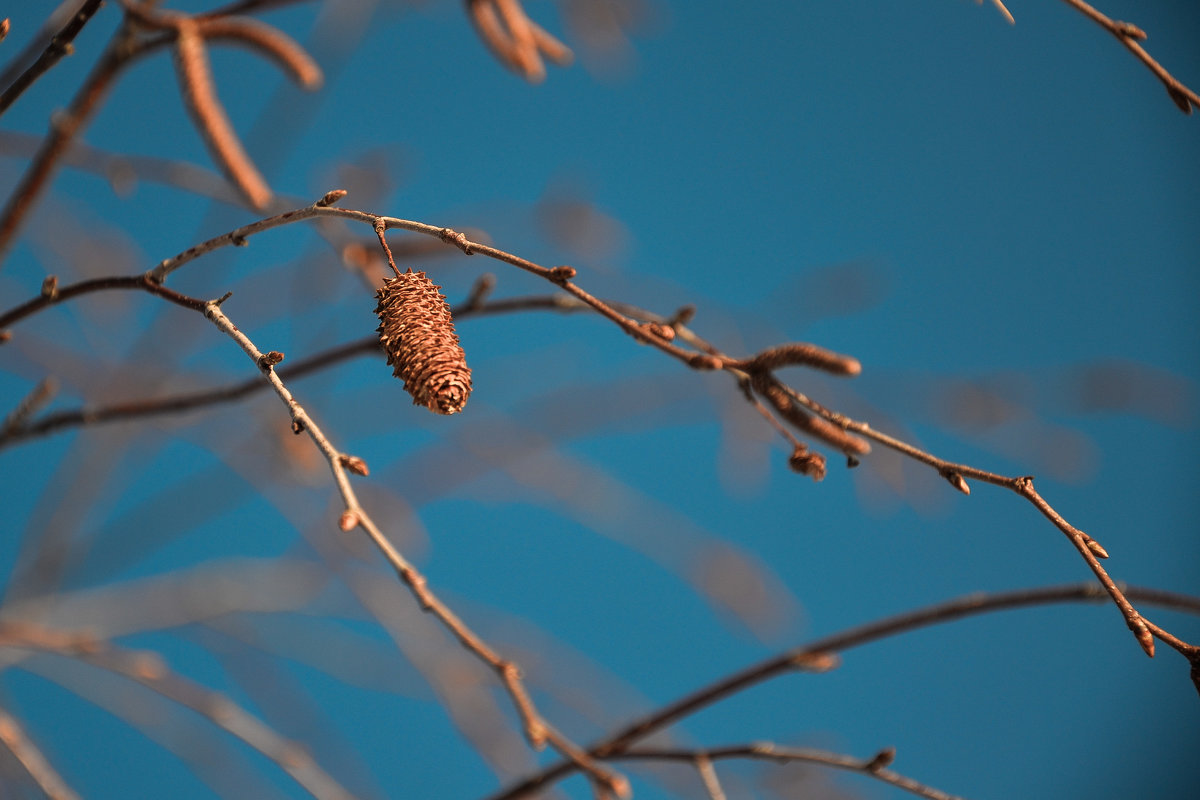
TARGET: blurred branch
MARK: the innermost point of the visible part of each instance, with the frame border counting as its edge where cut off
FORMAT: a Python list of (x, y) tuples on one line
[(148, 669), (873, 767), (517, 41), (31, 758), (971, 605), (60, 45)]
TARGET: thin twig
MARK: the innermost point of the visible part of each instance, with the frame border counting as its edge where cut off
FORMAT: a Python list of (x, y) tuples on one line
[(537, 730), (1129, 35), (64, 127), (41, 394), (662, 337), (61, 44), (873, 767), (784, 663), (31, 758)]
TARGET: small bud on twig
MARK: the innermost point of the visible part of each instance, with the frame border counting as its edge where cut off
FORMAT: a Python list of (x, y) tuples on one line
[(331, 197), (957, 481), (297, 427), (882, 759), (50, 287), (1095, 547), (348, 521), (269, 360), (354, 464), (417, 332)]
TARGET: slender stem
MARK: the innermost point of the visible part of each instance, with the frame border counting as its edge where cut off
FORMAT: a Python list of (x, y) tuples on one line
[(60, 45), (784, 663), (873, 767)]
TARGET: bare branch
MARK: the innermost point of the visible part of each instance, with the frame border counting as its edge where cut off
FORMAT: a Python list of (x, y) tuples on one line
[(784, 663), (61, 44)]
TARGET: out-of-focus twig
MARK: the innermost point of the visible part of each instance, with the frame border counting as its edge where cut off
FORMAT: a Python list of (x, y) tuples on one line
[(37, 397), (148, 669), (12, 734), (516, 40)]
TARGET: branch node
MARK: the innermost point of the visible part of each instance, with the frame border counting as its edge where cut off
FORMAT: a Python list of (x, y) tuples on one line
[(1128, 30), (816, 662), (459, 240), (268, 360)]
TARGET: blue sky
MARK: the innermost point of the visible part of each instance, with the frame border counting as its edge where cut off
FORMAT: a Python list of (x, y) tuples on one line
[(995, 220)]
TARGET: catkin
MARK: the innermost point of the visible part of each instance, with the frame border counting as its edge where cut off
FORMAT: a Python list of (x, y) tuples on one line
[(418, 335)]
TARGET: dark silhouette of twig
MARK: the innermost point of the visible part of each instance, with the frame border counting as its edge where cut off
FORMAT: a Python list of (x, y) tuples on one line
[(61, 44), (980, 603)]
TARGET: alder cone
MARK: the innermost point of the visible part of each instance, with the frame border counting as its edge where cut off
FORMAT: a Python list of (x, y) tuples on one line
[(418, 335)]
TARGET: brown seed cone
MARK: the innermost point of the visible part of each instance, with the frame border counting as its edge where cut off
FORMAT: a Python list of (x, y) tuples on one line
[(417, 332)]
